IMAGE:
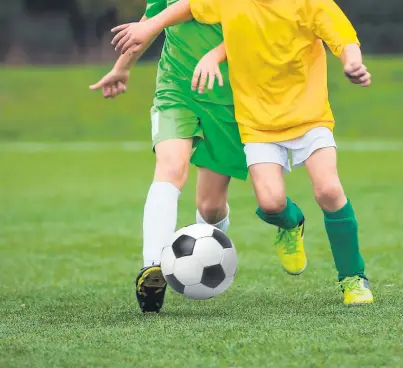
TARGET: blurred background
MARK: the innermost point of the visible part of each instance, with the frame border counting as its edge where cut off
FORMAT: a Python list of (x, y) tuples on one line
[(76, 31)]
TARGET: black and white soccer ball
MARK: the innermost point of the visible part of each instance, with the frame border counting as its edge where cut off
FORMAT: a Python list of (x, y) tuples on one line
[(200, 262)]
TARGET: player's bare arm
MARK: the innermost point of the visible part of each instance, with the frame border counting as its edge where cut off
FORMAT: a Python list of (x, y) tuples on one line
[(209, 68), (354, 69), (137, 35), (332, 26), (115, 82)]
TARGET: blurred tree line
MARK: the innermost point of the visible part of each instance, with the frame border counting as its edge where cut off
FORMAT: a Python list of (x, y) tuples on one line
[(62, 28)]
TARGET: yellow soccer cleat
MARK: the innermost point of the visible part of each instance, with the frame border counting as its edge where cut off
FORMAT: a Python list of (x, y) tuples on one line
[(290, 249), (356, 291)]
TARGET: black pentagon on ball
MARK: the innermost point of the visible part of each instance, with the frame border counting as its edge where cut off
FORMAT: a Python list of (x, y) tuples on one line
[(222, 239), (183, 246), (175, 284), (213, 276)]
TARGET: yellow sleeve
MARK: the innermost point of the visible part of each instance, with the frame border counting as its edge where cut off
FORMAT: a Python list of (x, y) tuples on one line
[(330, 24), (206, 11)]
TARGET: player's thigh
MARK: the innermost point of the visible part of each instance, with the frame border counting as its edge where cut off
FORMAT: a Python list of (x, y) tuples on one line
[(172, 161), (322, 165), (175, 130), (221, 150), (211, 190), (267, 162), (317, 150), (304, 147)]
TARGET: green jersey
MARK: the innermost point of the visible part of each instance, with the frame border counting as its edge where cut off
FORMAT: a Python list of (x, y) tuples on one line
[(184, 46)]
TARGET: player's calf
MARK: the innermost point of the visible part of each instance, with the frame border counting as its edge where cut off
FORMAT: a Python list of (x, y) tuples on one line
[(214, 215), (211, 198)]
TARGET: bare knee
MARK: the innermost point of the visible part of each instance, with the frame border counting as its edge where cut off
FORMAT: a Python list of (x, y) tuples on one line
[(212, 210), (172, 170), (273, 204), (330, 195), (211, 195), (268, 183), (271, 197)]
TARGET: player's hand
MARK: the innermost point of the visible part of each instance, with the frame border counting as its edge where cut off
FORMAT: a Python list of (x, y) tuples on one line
[(132, 35), (357, 73), (112, 84), (208, 68)]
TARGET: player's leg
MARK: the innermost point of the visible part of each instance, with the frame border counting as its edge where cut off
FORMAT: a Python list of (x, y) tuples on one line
[(174, 132), (266, 163), (340, 220), (161, 207), (211, 199), (219, 157)]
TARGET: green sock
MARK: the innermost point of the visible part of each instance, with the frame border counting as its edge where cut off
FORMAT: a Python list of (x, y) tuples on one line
[(289, 218), (342, 231)]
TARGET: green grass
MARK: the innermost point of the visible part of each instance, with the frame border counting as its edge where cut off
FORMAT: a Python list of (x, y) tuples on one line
[(70, 242), (70, 246)]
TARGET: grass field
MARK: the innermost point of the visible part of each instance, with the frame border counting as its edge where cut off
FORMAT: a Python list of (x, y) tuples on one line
[(70, 239)]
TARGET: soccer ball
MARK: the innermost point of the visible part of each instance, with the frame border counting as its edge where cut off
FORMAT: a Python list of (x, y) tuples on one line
[(200, 262)]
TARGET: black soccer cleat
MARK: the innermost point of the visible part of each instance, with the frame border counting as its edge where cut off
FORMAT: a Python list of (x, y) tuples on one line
[(150, 289)]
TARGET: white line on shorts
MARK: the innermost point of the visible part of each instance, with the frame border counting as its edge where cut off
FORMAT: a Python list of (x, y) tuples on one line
[(140, 146)]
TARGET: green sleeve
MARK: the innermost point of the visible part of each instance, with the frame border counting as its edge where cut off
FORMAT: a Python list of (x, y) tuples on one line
[(155, 7)]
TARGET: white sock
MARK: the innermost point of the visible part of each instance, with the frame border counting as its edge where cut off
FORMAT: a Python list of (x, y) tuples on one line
[(159, 222), (223, 225)]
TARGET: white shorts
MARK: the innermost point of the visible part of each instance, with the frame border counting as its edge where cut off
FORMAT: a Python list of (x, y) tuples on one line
[(300, 149)]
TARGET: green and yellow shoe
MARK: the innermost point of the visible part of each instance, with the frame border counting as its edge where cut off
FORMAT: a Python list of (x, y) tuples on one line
[(356, 291), (290, 249), (150, 289)]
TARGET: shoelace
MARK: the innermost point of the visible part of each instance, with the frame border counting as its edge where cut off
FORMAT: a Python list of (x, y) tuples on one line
[(351, 284), (290, 240)]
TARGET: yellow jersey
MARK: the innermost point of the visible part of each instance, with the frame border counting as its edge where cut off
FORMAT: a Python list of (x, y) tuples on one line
[(277, 61)]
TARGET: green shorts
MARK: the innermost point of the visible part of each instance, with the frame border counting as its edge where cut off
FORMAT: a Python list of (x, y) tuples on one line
[(213, 129)]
